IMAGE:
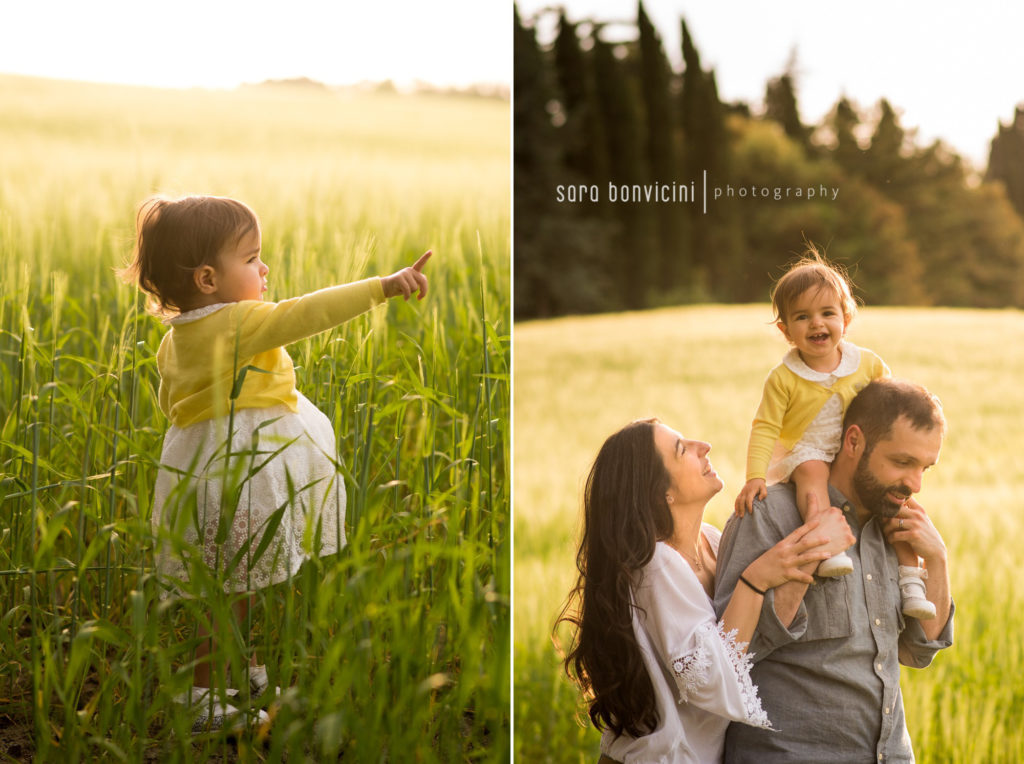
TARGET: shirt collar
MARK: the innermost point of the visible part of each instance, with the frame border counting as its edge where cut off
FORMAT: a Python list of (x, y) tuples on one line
[(839, 500), (194, 315), (848, 364)]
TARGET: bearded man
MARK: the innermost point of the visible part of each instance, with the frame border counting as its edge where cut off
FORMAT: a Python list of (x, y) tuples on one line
[(826, 657)]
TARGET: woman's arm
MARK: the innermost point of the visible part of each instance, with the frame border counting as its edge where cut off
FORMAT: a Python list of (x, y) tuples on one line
[(787, 597), (790, 560), (675, 623)]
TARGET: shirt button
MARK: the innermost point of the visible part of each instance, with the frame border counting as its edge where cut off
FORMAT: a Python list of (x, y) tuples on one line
[(887, 709), (879, 757), (878, 666), (869, 578), (878, 622)]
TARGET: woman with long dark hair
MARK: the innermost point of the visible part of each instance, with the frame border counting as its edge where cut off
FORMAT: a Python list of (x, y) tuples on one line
[(662, 675)]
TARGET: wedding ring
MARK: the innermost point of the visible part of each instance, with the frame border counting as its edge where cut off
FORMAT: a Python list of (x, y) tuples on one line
[(901, 524)]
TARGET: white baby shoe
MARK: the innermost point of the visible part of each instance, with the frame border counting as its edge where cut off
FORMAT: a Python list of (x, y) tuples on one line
[(259, 681), (216, 713), (837, 565), (912, 591)]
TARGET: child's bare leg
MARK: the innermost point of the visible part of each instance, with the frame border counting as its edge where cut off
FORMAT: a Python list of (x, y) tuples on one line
[(201, 673), (905, 554), (812, 478), (212, 710), (201, 669)]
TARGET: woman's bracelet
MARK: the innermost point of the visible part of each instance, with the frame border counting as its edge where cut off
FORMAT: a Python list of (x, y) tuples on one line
[(744, 580)]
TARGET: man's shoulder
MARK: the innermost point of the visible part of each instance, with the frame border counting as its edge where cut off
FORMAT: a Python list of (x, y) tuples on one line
[(774, 516), (779, 504), (781, 493)]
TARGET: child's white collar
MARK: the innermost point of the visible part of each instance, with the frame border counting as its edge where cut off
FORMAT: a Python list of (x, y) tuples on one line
[(847, 364), (194, 315)]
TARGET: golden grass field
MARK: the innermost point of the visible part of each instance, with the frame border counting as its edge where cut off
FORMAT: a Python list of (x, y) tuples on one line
[(700, 369)]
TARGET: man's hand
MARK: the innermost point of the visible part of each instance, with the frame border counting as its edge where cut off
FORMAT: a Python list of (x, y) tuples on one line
[(918, 531), (912, 524)]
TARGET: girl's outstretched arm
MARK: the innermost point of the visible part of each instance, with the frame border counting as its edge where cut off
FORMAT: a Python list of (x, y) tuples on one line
[(270, 325)]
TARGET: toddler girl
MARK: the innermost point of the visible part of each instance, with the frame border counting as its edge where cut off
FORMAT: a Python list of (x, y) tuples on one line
[(248, 478), (798, 426)]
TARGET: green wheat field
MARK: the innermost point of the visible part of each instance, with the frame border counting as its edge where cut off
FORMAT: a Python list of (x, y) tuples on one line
[(700, 369), (398, 648)]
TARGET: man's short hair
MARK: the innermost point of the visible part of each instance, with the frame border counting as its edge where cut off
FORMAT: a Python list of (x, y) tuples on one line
[(877, 407)]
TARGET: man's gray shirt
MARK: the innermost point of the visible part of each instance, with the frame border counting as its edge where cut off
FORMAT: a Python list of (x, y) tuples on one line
[(830, 682)]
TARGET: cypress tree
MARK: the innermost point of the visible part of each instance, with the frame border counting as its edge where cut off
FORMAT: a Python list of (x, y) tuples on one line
[(780, 104), (702, 118), (655, 80), (628, 167), (692, 104), (846, 151), (536, 160), (583, 136), (1006, 160), (885, 164), (556, 245)]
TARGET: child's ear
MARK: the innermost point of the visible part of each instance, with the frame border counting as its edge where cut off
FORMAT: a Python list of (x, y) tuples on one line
[(847, 318), (205, 277), (784, 330)]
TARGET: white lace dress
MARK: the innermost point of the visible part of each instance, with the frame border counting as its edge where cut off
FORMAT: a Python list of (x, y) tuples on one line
[(700, 675), (249, 520)]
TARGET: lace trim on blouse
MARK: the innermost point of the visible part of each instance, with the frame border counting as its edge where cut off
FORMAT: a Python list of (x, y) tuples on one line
[(693, 670), (194, 315)]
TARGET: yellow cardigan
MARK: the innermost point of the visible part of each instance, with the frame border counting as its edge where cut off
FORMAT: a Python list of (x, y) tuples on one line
[(790, 402), (200, 358)]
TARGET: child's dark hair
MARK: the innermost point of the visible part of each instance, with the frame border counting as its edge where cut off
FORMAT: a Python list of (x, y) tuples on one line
[(812, 271), (175, 236)]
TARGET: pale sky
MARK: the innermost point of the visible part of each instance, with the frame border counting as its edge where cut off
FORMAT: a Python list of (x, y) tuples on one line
[(223, 43), (953, 69)]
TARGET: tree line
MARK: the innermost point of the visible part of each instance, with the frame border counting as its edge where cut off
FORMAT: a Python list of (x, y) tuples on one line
[(636, 186)]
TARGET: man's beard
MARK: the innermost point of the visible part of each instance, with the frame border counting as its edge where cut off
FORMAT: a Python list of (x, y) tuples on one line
[(873, 495)]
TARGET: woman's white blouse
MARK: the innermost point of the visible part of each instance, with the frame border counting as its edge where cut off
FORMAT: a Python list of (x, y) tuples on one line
[(700, 675)]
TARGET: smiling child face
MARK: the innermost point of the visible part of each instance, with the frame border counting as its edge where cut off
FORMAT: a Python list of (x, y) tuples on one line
[(815, 325)]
